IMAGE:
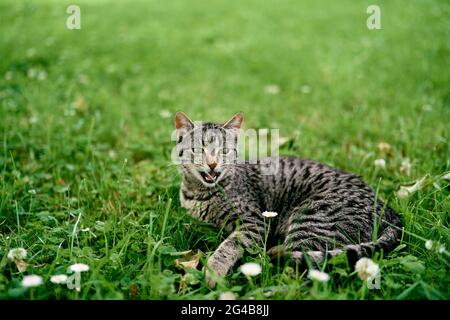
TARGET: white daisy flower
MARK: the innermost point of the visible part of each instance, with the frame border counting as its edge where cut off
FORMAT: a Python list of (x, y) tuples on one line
[(380, 163), (269, 214), (228, 295), (272, 89), (79, 267), (250, 269), (17, 254), (366, 269), (441, 248), (59, 279), (31, 281), (446, 176), (318, 276), (429, 244)]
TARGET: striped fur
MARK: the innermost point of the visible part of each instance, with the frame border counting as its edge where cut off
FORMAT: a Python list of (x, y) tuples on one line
[(322, 212)]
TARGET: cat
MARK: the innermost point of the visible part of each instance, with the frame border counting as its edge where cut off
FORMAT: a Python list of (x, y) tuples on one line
[(322, 211)]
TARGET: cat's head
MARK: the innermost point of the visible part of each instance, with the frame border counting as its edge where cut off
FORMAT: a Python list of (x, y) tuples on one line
[(206, 150)]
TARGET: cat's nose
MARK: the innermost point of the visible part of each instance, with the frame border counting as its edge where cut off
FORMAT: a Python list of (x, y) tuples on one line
[(212, 165)]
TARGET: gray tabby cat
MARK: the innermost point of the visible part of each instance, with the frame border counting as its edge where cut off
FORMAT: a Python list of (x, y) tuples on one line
[(322, 211)]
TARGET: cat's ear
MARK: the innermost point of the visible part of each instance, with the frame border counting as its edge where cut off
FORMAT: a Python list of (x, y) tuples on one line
[(182, 121), (235, 122)]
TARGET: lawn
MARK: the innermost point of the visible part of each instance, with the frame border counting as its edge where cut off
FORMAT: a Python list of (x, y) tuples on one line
[(86, 118)]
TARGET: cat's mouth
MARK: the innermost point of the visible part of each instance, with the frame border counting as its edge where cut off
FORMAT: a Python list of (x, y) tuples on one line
[(210, 177)]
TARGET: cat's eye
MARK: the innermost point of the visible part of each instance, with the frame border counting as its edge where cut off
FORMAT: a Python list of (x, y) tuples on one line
[(226, 150)]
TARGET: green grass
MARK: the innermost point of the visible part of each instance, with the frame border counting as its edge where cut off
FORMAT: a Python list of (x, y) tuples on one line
[(85, 154)]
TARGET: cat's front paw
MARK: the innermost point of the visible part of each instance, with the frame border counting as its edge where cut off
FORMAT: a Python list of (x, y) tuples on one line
[(214, 272)]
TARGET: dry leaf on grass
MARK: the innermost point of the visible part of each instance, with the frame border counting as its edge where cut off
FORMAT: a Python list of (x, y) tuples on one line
[(188, 260), (385, 148), (21, 265)]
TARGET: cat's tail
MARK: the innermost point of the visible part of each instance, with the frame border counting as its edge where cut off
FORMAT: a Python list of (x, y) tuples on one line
[(387, 241)]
